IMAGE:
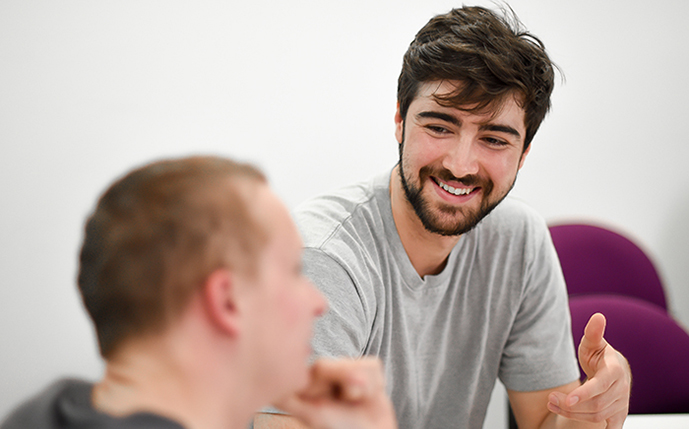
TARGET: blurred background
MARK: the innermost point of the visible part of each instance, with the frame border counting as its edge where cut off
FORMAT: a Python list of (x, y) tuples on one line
[(307, 91)]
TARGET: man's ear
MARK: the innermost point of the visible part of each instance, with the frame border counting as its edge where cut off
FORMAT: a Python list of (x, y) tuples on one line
[(399, 125), (523, 158), (221, 300)]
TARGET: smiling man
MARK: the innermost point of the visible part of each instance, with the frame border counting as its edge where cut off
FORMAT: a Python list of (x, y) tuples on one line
[(432, 267)]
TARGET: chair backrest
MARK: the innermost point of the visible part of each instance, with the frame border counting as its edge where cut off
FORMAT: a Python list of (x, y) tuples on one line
[(597, 260), (656, 347)]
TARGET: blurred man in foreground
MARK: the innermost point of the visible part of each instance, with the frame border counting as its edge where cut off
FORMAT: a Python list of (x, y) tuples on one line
[(191, 272)]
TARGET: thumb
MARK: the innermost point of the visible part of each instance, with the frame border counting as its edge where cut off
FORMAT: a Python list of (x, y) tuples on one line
[(593, 333), (593, 343)]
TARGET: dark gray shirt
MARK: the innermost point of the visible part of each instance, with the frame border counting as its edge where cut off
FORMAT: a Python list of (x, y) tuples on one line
[(66, 404)]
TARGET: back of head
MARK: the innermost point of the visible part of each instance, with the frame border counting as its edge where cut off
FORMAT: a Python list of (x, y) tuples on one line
[(490, 55), (154, 237)]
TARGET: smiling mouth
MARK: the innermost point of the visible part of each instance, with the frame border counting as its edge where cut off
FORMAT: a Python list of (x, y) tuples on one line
[(452, 190)]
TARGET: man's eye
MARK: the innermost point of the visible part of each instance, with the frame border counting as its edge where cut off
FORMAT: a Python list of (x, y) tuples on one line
[(437, 129), (494, 142)]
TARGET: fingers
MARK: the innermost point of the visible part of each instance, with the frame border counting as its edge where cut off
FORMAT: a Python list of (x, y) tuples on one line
[(343, 394), (345, 380), (605, 395), (614, 413), (589, 394), (594, 396)]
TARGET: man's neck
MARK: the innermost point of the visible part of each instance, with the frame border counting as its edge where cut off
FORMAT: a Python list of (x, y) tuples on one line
[(150, 376), (427, 251)]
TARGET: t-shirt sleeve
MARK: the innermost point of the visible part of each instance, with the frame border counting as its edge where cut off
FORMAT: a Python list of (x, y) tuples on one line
[(345, 327), (539, 353)]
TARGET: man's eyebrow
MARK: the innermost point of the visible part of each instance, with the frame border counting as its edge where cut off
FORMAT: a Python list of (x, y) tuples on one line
[(501, 129), (439, 115)]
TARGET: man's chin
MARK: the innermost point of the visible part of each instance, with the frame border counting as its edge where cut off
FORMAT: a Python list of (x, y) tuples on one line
[(448, 231), (450, 225), (443, 223)]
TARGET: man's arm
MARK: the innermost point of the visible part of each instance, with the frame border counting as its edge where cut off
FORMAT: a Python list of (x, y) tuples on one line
[(600, 402), (341, 394)]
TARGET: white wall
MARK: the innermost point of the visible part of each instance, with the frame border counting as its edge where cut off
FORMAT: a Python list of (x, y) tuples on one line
[(305, 89)]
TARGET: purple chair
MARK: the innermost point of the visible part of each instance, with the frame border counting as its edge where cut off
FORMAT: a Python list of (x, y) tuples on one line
[(597, 260), (655, 345)]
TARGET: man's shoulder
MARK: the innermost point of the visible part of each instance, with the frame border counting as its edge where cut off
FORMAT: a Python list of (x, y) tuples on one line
[(66, 403), (513, 223), (514, 212), (39, 410), (351, 208)]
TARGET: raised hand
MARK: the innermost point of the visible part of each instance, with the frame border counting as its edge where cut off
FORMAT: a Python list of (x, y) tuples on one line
[(604, 396)]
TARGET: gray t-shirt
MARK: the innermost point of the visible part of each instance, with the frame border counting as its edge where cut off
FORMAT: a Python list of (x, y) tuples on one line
[(498, 309)]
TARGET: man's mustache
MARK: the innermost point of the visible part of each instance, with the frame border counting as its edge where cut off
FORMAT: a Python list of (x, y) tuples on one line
[(446, 176)]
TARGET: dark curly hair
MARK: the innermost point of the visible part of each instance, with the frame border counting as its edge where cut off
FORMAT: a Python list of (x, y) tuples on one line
[(492, 56)]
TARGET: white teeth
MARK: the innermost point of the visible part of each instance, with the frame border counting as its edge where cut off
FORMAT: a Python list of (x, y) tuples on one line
[(452, 190)]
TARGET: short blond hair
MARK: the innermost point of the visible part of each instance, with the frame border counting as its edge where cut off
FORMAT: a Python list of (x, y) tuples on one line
[(155, 236)]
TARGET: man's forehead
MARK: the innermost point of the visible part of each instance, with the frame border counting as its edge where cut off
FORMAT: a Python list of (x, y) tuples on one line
[(442, 92), (437, 95)]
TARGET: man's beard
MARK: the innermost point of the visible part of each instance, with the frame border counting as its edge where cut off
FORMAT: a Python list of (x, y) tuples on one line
[(459, 219)]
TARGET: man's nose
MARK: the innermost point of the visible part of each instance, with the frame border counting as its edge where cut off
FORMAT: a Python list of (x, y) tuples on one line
[(462, 158)]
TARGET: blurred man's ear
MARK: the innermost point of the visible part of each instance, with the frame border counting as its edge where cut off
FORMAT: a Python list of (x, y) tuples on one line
[(220, 300)]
